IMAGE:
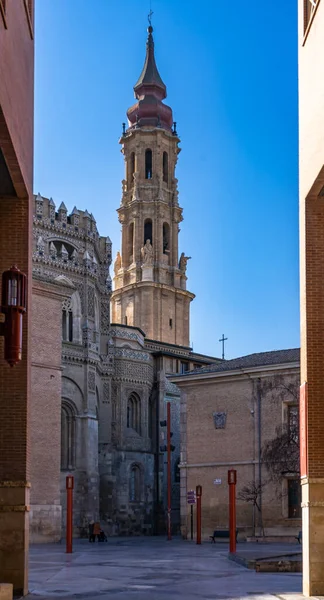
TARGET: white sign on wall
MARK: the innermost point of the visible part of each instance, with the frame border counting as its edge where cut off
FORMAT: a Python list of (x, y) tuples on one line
[(217, 481)]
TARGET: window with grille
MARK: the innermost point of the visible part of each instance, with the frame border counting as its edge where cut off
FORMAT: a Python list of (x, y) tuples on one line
[(134, 413), (67, 437), (309, 9), (135, 484)]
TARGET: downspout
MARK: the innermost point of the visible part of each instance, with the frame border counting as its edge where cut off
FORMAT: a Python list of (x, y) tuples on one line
[(259, 449)]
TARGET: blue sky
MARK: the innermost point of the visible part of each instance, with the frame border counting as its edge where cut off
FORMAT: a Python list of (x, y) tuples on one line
[(231, 75)]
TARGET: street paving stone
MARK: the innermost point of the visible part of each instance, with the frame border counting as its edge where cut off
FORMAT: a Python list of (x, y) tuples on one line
[(151, 569)]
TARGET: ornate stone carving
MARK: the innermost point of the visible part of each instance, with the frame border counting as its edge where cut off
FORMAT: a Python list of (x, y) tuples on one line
[(106, 390), (134, 372), (91, 301), (219, 420), (117, 263), (104, 328), (92, 381)]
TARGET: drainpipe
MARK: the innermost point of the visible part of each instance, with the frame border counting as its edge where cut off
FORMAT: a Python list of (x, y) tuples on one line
[(259, 448)]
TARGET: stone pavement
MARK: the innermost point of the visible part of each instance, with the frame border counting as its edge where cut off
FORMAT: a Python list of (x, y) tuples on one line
[(151, 569)]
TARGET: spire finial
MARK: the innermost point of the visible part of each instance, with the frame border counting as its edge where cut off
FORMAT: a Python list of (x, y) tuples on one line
[(149, 17)]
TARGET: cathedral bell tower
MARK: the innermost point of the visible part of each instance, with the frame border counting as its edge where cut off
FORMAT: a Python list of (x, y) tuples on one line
[(150, 279)]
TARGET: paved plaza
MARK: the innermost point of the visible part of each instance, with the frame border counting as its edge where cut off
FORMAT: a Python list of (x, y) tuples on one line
[(152, 569)]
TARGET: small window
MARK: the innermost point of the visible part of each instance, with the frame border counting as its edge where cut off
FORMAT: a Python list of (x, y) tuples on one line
[(67, 437), (294, 499), (148, 234), (132, 166), (170, 323), (166, 238), (67, 321), (165, 167), (184, 367), (135, 484), (148, 164), (134, 413), (293, 423)]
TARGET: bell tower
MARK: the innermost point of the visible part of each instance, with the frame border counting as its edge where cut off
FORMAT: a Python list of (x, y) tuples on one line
[(150, 279)]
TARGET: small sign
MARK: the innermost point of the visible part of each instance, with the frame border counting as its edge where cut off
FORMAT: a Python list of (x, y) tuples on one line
[(191, 497), (217, 481)]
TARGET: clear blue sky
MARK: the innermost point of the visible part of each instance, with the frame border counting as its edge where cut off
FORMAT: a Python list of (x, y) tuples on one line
[(231, 75)]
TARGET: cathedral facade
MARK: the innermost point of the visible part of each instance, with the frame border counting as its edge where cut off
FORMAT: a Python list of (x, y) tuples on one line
[(100, 378)]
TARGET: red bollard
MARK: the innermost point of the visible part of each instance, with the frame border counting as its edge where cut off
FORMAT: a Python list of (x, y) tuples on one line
[(232, 508), (169, 486), (198, 513), (69, 512)]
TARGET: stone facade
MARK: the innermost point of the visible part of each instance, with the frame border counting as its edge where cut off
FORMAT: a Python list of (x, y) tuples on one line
[(150, 278), (311, 192), (228, 412), (102, 387)]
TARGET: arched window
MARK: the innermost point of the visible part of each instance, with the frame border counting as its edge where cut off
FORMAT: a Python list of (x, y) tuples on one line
[(135, 484), (71, 319), (67, 321), (166, 238), (131, 166), (165, 167), (148, 233), (177, 471), (130, 242), (134, 413), (148, 164), (67, 437)]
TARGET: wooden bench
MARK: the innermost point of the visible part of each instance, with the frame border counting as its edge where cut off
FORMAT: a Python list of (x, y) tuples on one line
[(299, 537), (222, 533)]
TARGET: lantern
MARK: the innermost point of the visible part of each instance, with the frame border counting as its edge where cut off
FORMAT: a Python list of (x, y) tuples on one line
[(13, 306), (198, 490), (69, 482)]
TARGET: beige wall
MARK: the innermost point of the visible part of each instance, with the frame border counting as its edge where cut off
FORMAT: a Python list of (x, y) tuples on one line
[(45, 414), (207, 453)]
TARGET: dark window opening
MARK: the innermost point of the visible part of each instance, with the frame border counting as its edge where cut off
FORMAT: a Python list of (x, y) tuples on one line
[(184, 367), (170, 323), (132, 165), (293, 423), (165, 167), (166, 238), (125, 320), (67, 438), (130, 242), (134, 413), (148, 231), (177, 471), (135, 484), (294, 499), (148, 164)]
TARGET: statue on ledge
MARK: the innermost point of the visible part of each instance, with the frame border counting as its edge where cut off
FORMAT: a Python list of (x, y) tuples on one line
[(147, 254), (117, 263), (183, 262)]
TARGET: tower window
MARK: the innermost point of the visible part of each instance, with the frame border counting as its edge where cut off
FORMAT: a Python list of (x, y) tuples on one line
[(148, 164), (132, 165), (67, 437), (134, 413), (148, 231), (170, 323), (166, 238), (130, 243), (67, 321), (165, 167)]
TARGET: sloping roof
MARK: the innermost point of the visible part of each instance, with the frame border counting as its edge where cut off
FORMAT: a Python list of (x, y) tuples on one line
[(260, 359)]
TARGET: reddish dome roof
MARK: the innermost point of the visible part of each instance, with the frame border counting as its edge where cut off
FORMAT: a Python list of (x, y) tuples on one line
[(150, 90)]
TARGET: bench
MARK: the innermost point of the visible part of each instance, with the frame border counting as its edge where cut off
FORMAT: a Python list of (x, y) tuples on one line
[(299, 537), (222, 533)]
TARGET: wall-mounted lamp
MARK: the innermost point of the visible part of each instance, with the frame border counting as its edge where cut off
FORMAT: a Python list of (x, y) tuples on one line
[(13, 306)]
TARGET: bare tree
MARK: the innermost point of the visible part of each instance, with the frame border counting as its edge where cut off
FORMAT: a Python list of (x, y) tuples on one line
[(251, 494), (281, 454)]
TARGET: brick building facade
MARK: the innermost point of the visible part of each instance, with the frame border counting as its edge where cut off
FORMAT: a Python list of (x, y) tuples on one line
[(16, 187), (229, 411), (311, 193)]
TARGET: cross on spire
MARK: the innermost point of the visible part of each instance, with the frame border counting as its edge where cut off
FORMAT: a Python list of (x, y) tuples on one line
[(149, 16), (223, 340)]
